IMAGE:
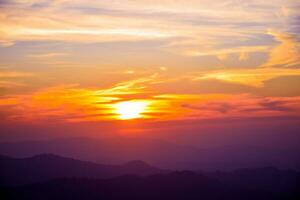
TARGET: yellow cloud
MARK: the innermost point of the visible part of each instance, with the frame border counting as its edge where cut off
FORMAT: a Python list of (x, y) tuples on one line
[(244, 56), (251, 77), (48, 55), (222, 53), (286, 53), (14, 74), (74, 104)]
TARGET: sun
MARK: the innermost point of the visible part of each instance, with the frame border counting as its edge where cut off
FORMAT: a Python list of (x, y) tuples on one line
[(131, 109)]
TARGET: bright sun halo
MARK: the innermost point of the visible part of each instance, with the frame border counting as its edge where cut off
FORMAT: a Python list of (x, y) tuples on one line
[(130, 109)]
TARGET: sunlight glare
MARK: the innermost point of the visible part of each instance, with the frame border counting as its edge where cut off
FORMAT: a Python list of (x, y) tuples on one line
[(131, 109)]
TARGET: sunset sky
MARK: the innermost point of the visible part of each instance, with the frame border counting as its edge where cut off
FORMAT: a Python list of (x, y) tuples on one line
[(161, 67)]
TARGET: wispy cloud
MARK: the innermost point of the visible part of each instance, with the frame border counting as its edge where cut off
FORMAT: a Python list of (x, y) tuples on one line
[(75, 104), (14, 74), (286, 53), (48, 55), (252, 77), (174, 53), (197, 28)]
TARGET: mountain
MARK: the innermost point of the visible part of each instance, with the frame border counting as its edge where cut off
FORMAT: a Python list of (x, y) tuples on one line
[(158, 153), (232, 157), (49, 176), (110, 151), (176, 186), (45, 167), (267, 178)]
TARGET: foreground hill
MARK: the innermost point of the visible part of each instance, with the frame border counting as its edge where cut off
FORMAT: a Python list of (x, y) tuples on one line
[(175, 186), (267, 179), (45, 167)]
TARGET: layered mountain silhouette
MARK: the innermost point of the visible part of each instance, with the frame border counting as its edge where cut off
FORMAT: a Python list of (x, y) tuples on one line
[(14, 171), (175, 186), (49, 176), (158, 153)]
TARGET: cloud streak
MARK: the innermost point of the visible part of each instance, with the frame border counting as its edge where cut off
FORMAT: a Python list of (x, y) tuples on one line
[(73, 104), (173, 21), (192, 60)]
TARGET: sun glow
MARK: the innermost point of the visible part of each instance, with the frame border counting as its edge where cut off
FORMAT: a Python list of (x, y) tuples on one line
[(131, 109)]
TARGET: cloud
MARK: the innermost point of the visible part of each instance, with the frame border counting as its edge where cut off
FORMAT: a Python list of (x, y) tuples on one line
[(243, 106), (286, 53), (284, 86), (251, 77), (222, 107), (190, 29), (10, 80), (48, 55), (130, 87), (275, 104), (222, 53), (244, 56), (14, 74), (189, 85), (73, 104), (191, 40), (11, 84)]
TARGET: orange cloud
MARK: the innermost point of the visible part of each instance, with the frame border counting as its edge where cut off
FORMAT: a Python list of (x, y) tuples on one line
[(252, 77), (14, 74), (73, 104), (188, 39), (286, 53)]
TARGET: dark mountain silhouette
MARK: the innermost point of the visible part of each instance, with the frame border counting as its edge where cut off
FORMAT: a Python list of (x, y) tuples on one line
[(176, 186), (49, 176), (158, 153), (45, 167), (268, 179)]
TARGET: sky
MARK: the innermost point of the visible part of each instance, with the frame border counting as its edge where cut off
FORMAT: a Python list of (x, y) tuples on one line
[(189, 71)]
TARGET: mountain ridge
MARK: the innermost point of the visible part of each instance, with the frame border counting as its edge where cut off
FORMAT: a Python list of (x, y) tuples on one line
[(158, 153), (43, 167)]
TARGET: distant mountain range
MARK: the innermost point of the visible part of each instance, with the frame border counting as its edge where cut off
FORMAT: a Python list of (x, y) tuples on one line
[(49, 176), (45, 167), (158, 153)]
